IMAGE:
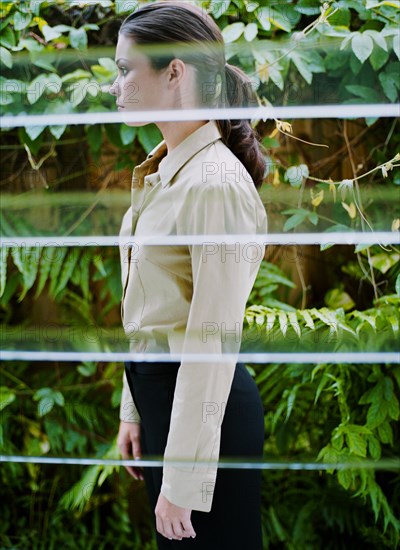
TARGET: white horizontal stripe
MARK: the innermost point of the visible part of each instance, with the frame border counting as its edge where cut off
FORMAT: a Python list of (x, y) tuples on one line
[(385, 464), (350, 238), (261, 112), (294, 357)]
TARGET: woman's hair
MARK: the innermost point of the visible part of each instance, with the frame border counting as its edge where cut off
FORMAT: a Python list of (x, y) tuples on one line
[(178, 27)]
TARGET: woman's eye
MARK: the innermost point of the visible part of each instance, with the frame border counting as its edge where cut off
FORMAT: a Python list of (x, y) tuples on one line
[(123, 70)]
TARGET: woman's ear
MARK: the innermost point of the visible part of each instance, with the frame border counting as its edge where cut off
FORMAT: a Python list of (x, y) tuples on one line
[(176, 72)]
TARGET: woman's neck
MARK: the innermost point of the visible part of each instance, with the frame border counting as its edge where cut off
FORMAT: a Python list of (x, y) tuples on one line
[(175, 132)]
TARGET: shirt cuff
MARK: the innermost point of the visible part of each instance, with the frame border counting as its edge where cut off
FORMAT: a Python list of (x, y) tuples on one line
[(128, 411), (190, 490)]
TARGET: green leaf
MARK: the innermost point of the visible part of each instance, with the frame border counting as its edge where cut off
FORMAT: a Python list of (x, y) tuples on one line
[(384, 261), (219, 7), (78, 74), (296, 174), (375, 501), (68, 266), (3, 268), (308, 319), (87, 368), (109, 64), (390, 80), (46, 261), (307, 7), (149, 136), (365, 92), (374, 447), (279, 19), (43, 64), (345, 478), (277, 526), (57, 131), (250, 32), (5, 57), (85, 273), (388, 388), (369, 121), (27, 261), (385, 433), (321, 386), (232, 32), (377, 38), (396, 45), (378, 58), (62, 28), (21, 20), (293, 221), (78, 38), (56, 267), (95, 137), (389, 85), (290, 401), (90, 27), (36, 88), (262, 16), (34, 131), (302, 66), (123, 6), (393, 408), (45, 406), (292, 316), (397, 284), (362, 45), (7, 396), (31, 45), (377, 413), (270, 321), (357, 442), (79, 90), (127, 133), (50, 33), (7, 38), (337, 297), (283, 324)]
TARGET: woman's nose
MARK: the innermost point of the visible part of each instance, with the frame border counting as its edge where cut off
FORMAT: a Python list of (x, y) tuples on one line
[(113, 89)]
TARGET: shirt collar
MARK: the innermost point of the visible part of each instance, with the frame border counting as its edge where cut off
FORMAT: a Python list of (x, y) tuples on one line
[(169, 164)]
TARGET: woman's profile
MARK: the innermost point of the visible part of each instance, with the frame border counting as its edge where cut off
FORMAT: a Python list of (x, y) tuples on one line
[(188, 300)]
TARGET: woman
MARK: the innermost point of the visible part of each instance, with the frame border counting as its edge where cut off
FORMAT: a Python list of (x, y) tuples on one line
[(190, 299)]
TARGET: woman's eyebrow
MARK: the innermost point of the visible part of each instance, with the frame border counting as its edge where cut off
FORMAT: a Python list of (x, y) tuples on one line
[(121, 59)]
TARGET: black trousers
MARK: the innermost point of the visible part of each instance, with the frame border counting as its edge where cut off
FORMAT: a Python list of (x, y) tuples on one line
[(234, 522)]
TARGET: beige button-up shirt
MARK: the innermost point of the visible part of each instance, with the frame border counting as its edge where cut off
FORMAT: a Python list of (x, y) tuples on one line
[(190, 299)]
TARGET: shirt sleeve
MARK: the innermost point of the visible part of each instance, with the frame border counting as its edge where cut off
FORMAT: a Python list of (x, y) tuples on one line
[(222, 275), (128, 411)]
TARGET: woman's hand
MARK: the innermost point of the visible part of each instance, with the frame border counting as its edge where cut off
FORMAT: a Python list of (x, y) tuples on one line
[(128, 442), (173, 521)]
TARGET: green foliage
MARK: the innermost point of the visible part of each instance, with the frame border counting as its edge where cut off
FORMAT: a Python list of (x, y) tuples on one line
[(333, 413), (370, 52), (334, 330), (335, 408), (43, 86), (270, 278)]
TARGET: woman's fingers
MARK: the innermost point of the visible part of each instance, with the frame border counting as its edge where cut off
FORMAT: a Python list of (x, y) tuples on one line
[(188, 528), (129, 445), (125, 450), (137, 454), (162, 528), (178, 530)]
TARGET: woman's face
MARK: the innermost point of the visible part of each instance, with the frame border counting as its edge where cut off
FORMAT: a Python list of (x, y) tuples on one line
[(138, 86)]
